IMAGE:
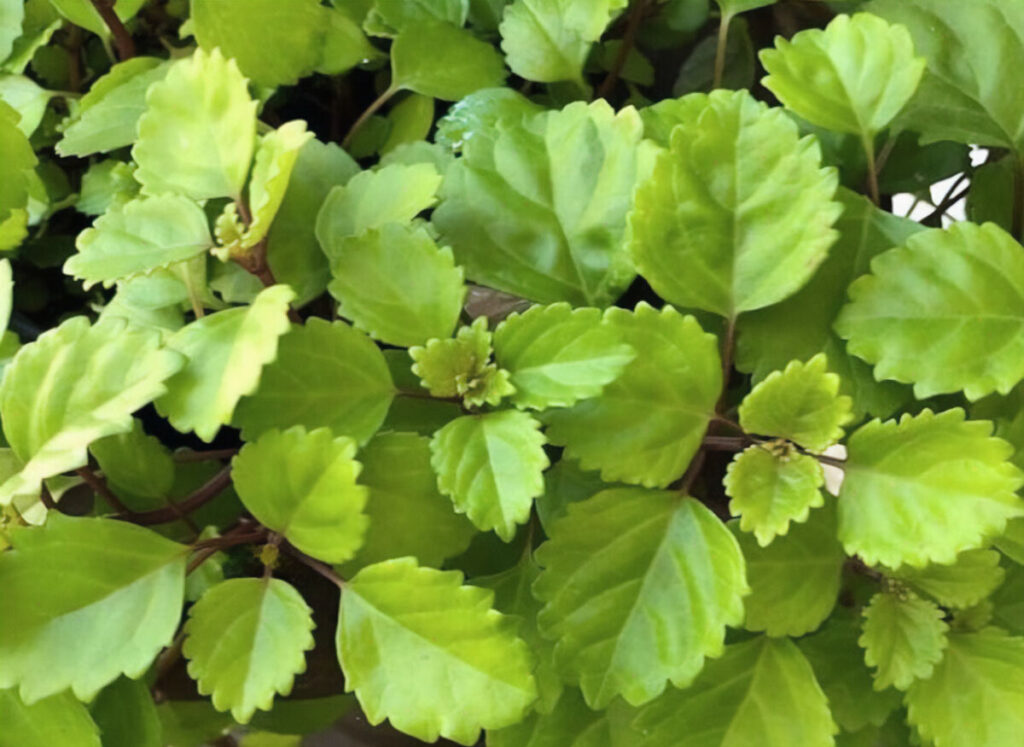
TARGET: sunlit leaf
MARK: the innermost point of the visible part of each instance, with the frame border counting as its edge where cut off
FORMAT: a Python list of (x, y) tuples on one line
[(904, 638), (440, 60)]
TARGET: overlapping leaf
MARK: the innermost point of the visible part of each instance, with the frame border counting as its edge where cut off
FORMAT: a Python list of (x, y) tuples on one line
[(58, 719), (440, 60), (973, 576), (904, 638)]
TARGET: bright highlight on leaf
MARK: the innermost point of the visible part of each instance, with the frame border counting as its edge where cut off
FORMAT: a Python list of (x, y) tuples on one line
[(904, 638)]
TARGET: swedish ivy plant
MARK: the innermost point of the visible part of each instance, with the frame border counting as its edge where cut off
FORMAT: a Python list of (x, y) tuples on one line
[(529, 373)]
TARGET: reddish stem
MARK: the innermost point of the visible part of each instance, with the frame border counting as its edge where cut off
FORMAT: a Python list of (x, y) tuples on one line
[(122, 39)]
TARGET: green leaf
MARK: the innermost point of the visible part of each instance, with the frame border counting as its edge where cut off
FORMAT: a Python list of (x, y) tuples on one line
[(904, 638), (344, 45), (801, 326), (718, 229), (548, 40), (74, 385), (971, 52), (17, 162), (138, 237), (491, 466), (459, 367), (567, 177), (245, 641), (107, 116), (760, 692), (794, 581), (403, 500), (471, 670), (106, 184), (732, 7), (325, 375), (226, 354), (965, 583), (126, 715), (981, 673), (440, 60), (303, 485), (571, 724), (397, 285), (801, 403), (372, 199), (27, 98), (247, 31), (925, 489), (930, 314), (411, 120), (86, 600), (12, 13), (854, 76), (83, 13), (646, 425), (639, 587), (478, 114), (6, 293), (136, 463), (394, 16), (203, 150), (59, 719), (770, 486), (557, 356)]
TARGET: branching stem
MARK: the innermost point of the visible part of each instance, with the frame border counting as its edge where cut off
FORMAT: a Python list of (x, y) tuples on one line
[(200, 497)]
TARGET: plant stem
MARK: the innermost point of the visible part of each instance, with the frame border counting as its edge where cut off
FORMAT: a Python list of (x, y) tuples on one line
[(726, 443), (201, 496), (869, 152), (322, 568), (723, 44), (370, 111), (122, 39), (636, 14), (100, 487)]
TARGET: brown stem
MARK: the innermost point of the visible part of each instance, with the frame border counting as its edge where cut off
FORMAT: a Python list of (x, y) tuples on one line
[(214, 455), (636, 15), (723, 43), (100, 487), (164, 663), (201, 496), (726, 443), (322, 568), (122, 39), (831, 461), (693, 471)]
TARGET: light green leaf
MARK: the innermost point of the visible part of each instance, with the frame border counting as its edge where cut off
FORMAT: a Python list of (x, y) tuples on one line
[(138, 237), (27, 98), (57, 720), (397, 285), (471, 670), (105, 184), (303, 484), (83, 13), (478, 114), (538, 209), (761, 692), (136, 463), (801, 404), (981, 673), (126, 715), (325, 375), (372, 199), (854, 76), (772, 485), (801, 326), (557, 356), (246, 640), (344, 45), (571, 724), (718, 229), (17, 164), (86, 600), (202, 150), (107, 116), (226, 354), (549, 40), (646, 425), (491, 465), (565, 483), (640, 586), (904, 638), (732, 7), (273, 43), (12, 13), (662, 117), (40, 22), (930, 313), (440, 60), (459, 367), (926, 488), (74, 385), (972, 50), (6, 294), (393, 16), (403, 500), (411, 120), (965, 583), (794, 581)]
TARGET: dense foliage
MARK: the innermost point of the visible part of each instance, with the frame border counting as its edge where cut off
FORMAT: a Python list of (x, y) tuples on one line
[(554, 373)]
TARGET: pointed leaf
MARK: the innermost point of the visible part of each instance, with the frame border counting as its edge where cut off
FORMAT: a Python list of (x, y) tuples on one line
[(647, 424), (491, 466), (719, 229), (925, 489), (396, 284), (303, 485), (471, 671), (854, 76), (760, 692), (938, 313), (639, 587), (202, 150), (801, 404), (440, 60), (904, 638), (567, 177), (72, 386), (965, 583), (794, 581), (226, 354), (557, 356), (59, 719), (86, 600), (245, 641), (981, 673), (325, 375)]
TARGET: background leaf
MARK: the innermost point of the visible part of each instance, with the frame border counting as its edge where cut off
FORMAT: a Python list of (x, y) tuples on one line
[(440, 60), (53, 720)]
